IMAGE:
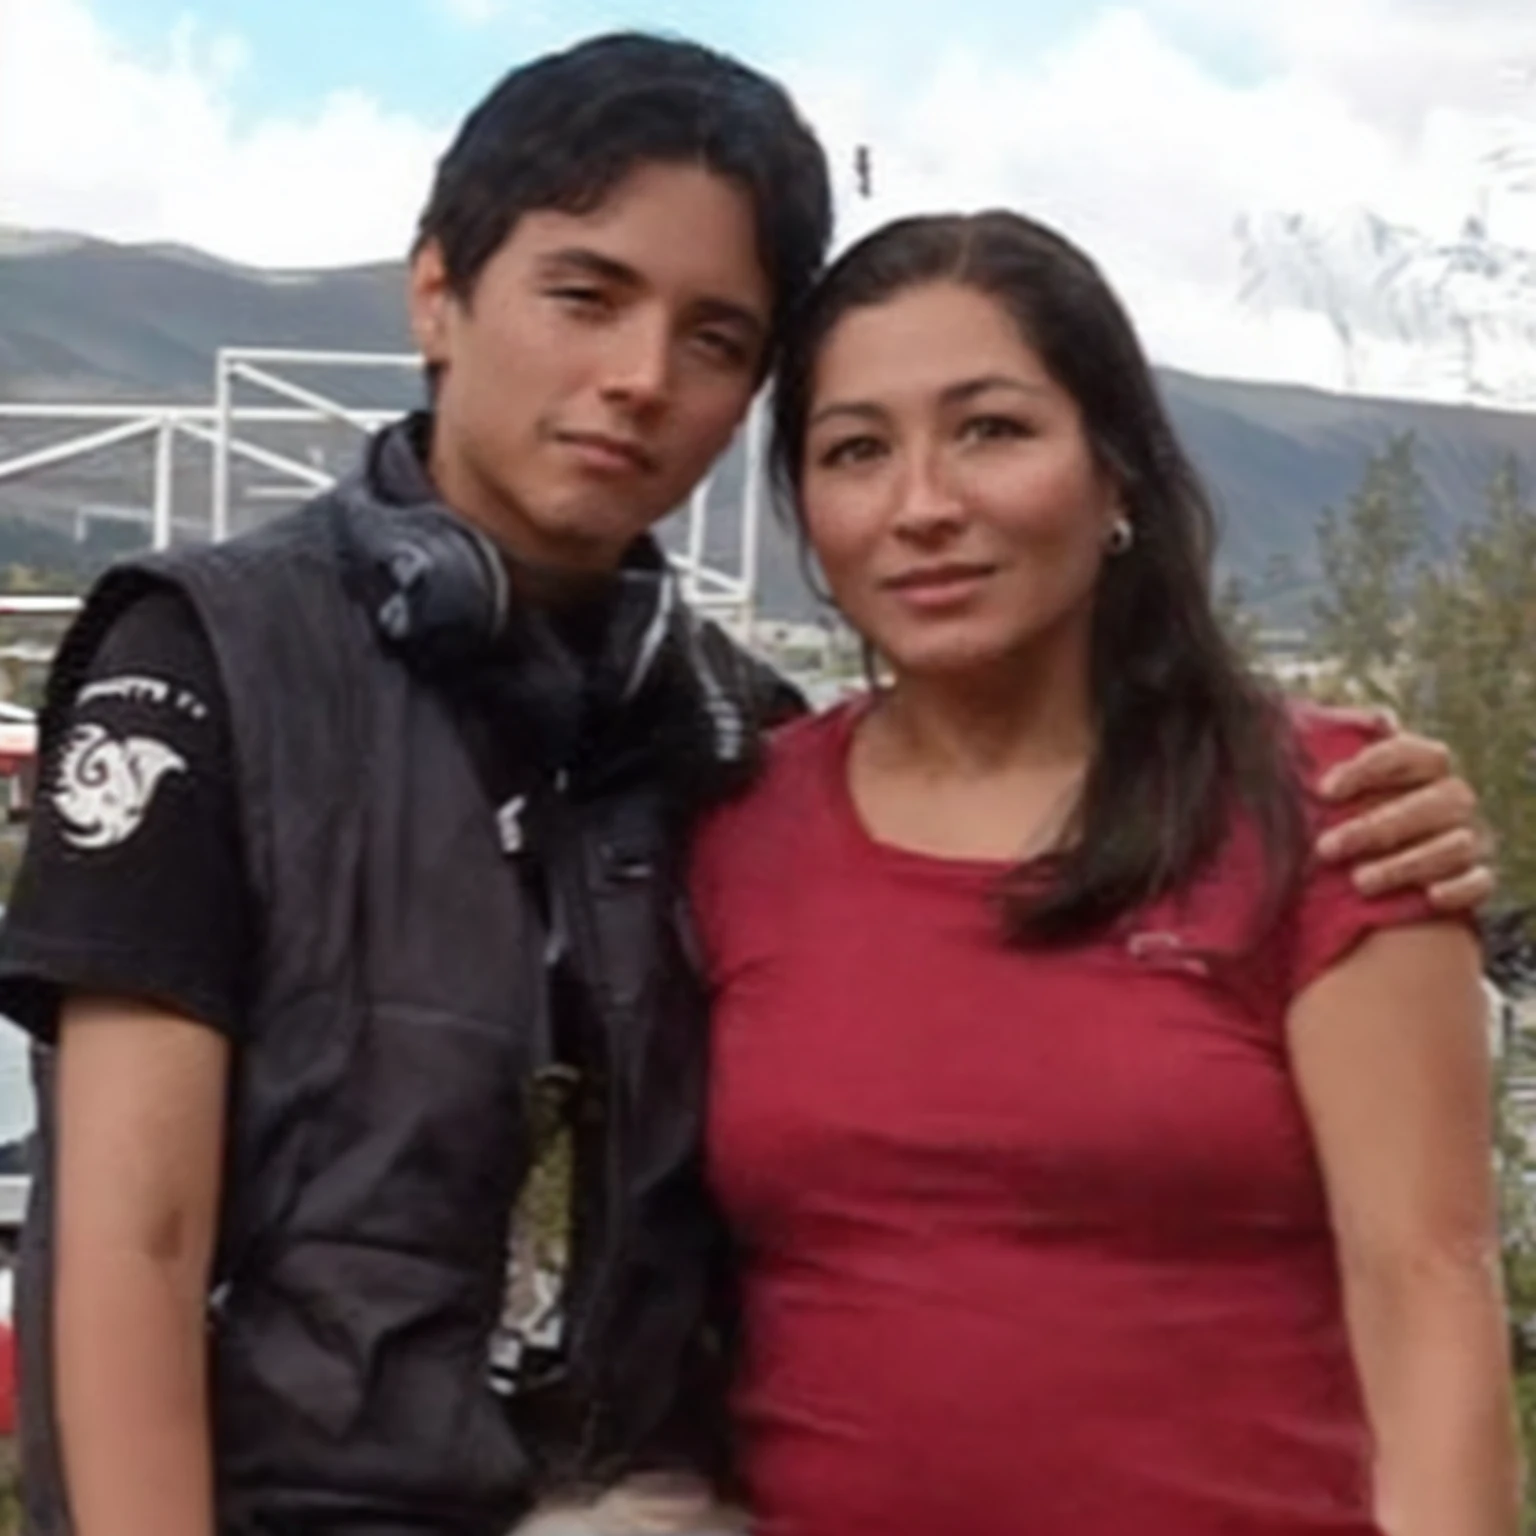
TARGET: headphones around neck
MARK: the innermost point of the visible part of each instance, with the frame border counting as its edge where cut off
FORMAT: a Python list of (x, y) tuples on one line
[(438, 592), (436, 588)]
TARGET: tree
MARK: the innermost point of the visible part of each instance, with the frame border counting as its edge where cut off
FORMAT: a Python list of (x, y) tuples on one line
[(1238, 619), (1472, 679), (1281, 573), (1452, 647), (1368, 554)]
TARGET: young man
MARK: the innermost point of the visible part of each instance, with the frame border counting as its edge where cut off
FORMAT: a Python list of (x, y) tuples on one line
[(352, 889)]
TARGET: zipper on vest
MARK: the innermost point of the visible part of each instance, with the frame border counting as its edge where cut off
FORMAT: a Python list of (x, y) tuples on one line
[(599, 1250)]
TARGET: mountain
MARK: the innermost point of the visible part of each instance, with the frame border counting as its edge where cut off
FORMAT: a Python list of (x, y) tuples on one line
[(84, 319), (1450, 320)]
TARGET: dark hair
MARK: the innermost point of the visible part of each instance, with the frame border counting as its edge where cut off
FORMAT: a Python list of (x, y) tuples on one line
[(1184, 730), (563, 131)]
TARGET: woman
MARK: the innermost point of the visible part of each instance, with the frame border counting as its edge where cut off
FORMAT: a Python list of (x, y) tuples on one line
[(1098, 1163)]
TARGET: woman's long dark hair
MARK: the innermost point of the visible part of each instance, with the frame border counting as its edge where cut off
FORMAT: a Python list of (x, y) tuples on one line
[(1185, 734)]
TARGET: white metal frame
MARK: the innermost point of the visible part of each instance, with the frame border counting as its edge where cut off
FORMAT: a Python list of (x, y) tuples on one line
[(14, 1188), (258, 367), (37, 607), (232, 428), (729, 595)]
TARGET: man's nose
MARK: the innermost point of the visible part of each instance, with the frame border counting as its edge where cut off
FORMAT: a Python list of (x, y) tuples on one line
[(638, 368)]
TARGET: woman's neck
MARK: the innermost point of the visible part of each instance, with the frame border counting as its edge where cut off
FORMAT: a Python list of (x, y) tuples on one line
[(990, 768), (1026, 713)]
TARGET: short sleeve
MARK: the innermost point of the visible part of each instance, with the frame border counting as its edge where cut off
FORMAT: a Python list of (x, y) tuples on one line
[(1332, 917), (133, 881)]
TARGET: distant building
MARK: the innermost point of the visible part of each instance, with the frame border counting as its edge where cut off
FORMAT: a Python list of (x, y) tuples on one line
[(18, 758)]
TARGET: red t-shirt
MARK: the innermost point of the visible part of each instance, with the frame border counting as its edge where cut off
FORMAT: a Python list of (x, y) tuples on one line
[(1035, 1244)]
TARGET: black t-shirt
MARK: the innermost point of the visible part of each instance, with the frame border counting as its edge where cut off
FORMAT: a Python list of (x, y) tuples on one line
[(134, 884)]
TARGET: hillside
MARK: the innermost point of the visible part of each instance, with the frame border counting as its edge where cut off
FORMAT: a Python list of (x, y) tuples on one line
[(84, 319)]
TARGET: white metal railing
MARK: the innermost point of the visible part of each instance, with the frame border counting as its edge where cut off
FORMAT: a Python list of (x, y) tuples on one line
[(258, 368), (37, 607), (13, 1199), (235, 428)]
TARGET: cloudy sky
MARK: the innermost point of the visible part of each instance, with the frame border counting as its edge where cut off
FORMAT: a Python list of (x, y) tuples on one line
[(302, 132)]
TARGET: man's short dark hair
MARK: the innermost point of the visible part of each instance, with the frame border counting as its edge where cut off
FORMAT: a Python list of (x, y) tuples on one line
[(564, 130)]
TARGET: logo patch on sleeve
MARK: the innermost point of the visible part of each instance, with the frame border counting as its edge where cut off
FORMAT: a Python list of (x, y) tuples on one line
[(104, 784)]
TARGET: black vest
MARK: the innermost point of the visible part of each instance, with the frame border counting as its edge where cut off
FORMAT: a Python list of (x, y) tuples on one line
[(378, 1132)]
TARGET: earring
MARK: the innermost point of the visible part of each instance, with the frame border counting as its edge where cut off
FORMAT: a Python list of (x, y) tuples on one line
[(1121, 536)]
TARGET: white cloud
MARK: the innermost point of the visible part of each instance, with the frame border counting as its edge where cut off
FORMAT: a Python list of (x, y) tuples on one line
[(473, 12), (1451, 82), (1148, 157), (1126, 135), (530, 17), (148, 149), (1398, 59)]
